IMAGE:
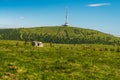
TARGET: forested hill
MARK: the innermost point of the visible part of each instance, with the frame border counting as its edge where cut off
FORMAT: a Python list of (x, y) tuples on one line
[(59, 34)]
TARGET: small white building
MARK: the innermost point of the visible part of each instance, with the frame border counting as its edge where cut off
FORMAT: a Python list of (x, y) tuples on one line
[(37, 43)]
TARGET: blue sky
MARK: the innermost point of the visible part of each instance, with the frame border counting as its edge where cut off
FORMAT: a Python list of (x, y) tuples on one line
[(102, 15)]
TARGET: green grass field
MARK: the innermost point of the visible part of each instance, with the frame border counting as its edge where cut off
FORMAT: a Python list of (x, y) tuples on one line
[(59, 61)]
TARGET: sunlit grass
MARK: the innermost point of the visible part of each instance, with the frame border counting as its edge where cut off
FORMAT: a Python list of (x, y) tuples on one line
[(59, 61)]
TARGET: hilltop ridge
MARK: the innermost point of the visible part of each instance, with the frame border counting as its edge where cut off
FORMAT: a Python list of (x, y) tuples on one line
[(59, 34)]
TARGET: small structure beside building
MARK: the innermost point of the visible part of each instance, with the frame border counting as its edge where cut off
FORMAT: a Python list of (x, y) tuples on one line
[(37, 43)]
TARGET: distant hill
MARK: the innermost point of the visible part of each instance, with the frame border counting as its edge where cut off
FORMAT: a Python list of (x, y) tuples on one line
[(59, 34)]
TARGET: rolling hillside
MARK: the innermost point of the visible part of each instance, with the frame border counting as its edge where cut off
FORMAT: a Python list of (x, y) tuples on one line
[(59, 34)]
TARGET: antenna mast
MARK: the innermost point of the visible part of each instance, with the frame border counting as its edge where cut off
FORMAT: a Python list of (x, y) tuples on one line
[(66, 23)]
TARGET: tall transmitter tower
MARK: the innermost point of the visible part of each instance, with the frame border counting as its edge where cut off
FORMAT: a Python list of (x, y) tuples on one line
[(66, 23)]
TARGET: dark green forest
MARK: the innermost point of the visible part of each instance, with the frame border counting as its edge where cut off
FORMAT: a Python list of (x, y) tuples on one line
[(59, 34)]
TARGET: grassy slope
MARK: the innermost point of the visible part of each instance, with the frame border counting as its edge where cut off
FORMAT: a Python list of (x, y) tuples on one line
[(72, 34), (61, 62), (59, 30)]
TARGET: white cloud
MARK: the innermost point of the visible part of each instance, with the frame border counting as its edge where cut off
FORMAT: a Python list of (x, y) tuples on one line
[(98, 4)]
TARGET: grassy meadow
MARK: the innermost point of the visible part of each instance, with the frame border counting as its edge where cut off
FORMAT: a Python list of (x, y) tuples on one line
[(58, 61)]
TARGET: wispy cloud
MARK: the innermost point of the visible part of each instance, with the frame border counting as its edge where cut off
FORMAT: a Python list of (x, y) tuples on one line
[(98, 4)]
